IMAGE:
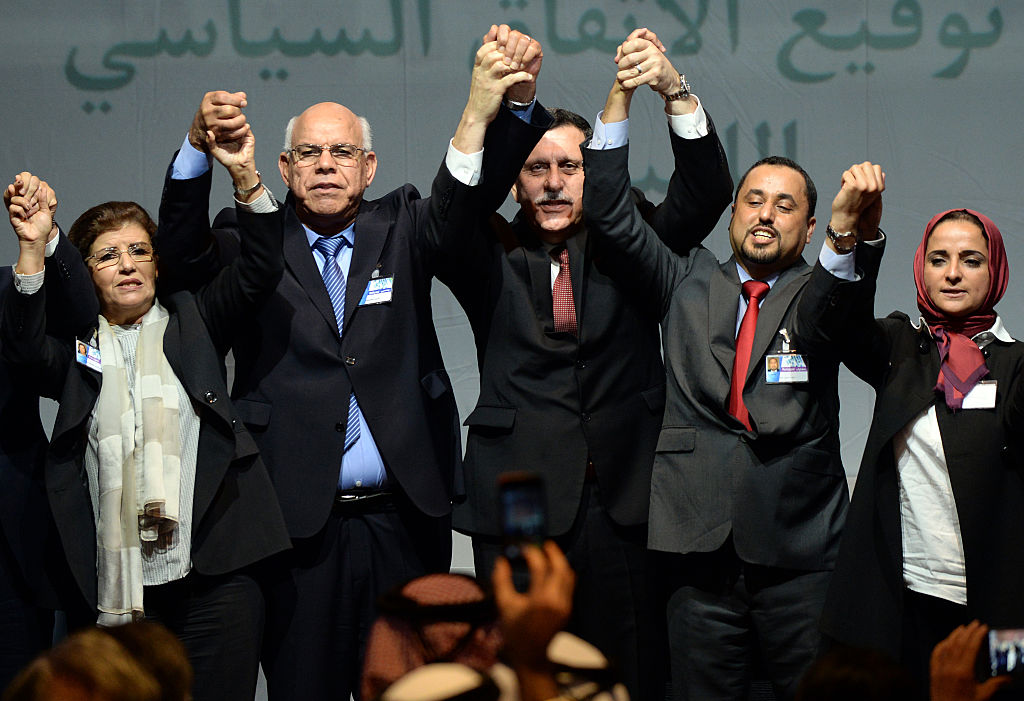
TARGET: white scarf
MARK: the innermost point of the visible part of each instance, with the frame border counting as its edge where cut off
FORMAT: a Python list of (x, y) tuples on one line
[(139, 458)]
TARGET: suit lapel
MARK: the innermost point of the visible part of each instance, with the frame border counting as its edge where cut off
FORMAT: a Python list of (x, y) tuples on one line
[(371, 233), (772, 311), (299, 259), (723, 298), (577, 246), (537, 263)]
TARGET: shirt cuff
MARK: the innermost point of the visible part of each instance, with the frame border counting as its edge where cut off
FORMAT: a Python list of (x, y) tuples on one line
[(190, 162), (690, 126), (608, 136), (527, 114), (839, 264), (464, 167), (264, 203), (51, 246), (28, 284)]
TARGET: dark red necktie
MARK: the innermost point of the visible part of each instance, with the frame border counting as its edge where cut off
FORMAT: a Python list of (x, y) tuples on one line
[(561, 296), (753, 290)]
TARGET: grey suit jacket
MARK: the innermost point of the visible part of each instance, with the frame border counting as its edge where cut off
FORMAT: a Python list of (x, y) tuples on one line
[(779, 490)]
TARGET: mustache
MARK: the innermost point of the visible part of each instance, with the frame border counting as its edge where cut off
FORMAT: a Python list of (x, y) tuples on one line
[(549, 197)]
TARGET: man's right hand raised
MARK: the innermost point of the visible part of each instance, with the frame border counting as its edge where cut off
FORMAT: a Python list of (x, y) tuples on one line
[(221, 113)]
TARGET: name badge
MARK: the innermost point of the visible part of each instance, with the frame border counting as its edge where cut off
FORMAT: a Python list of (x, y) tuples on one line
[(378, 290), (982, 395), (88, 355), (785, 368)]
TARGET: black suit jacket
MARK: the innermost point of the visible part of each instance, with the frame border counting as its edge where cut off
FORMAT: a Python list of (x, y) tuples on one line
[(24, 515), (550, 400), (294, 374), (236, 520), (780, 489), (985, 460)]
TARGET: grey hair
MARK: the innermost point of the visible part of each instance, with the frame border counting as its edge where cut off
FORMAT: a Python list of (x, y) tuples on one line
[(363, 123)]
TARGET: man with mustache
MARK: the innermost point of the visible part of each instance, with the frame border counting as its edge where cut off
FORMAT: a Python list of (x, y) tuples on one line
[(748, 492), (571, 380)]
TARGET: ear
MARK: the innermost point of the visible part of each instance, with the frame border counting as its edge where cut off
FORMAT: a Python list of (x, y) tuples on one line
[(515, 191), (284, 165), (810, 230), (370, 169)]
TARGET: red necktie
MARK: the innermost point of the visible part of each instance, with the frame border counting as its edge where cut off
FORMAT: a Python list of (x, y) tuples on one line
[(753, 290), (561, 296)]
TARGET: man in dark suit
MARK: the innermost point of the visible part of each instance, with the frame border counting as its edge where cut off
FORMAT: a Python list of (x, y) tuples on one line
[(579, 405), (26, 627), (748, 491), (346, 393)]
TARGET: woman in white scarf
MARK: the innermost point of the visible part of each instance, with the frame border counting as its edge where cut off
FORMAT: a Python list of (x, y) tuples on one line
[(160, 499)]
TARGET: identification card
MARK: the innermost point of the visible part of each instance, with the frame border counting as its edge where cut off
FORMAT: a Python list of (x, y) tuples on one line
[(378, 291), (982, 395), (785, 368), (88, 355)]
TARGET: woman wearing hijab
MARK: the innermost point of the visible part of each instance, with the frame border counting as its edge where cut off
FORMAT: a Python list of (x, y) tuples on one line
[(935, 533), (161, 501)]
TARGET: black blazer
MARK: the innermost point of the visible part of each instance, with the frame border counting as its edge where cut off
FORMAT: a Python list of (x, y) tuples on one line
[(550, 400), (24, 514), (236, 519), (985, 459), (294, 374), (780, 489)]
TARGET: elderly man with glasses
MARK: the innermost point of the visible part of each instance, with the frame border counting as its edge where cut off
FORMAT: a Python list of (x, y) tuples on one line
[(341, 380)]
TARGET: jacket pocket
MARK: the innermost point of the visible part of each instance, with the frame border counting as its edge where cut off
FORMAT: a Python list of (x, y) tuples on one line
[(677, 439), (436, 383), (255, 415), (493, 417), (654, 398)]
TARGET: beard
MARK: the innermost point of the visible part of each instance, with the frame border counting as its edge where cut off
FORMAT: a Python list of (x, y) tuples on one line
[(761, 255)]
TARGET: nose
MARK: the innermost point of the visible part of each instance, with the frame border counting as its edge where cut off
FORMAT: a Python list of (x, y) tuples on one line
[(766, 213), (126, 264), (553, 180), (325, 163), (953, 272)]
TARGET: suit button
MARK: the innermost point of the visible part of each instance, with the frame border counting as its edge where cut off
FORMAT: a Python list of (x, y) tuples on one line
[(349, 360), (1006, 449), (581, 364), (210, 397), (585, 417), (234, 423), (984, 352), (339, 427)]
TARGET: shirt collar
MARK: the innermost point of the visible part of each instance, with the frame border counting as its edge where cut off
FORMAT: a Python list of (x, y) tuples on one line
[(744, 276), (998, 329), (349, 234)]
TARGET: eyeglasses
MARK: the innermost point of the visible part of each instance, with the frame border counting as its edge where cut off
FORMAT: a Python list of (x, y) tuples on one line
[(343, 154), (106, 257)]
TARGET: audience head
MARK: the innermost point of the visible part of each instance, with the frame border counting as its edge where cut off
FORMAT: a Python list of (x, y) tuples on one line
[(327, 164), (960, 269), (855, 674), (87, 666), (160, 653), (549, 188), (434, 618), (772, 216), (116, 241)]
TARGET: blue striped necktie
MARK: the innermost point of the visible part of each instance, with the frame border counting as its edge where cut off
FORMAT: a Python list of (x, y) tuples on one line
[(334, 280)]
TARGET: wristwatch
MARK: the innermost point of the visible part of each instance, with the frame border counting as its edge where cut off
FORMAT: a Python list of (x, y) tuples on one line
[(242, 194), (844, 241), (682, 93)]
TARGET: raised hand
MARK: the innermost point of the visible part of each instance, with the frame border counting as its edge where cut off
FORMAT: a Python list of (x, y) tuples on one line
[(490, 81), (522, 53), (221, 113), (31, 204), (858, 204), (953, 667), (641, 60)]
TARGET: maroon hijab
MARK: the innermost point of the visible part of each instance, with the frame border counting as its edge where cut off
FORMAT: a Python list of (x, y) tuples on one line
[(962, 362)]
